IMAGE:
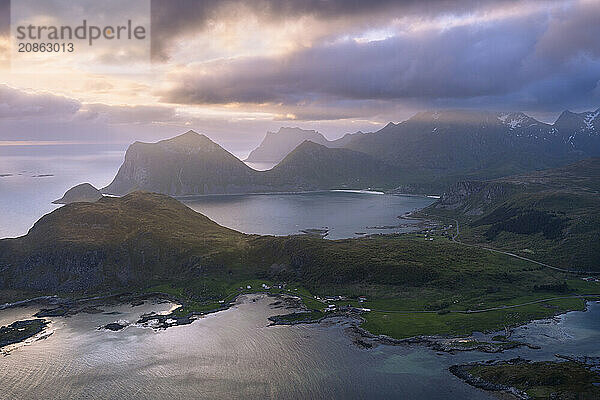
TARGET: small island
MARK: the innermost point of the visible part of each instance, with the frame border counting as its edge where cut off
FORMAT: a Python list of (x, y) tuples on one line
[(83, 192), (537, 380), (20, 330)]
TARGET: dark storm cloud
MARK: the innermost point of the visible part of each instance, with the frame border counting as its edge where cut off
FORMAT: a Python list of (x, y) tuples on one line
[(573, 31), (174, 18), (506, 62), (460, 63)]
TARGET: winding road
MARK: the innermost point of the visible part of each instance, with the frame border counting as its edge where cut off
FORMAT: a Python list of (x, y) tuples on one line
[(455, 239)]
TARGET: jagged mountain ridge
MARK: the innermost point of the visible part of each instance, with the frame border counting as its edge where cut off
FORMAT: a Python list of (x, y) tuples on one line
[(192, 164), (469, 141), (581, 131), (424, 154), (276, 145)]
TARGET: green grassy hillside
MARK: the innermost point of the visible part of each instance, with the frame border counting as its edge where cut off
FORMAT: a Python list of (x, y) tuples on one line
[(149, 242), (551, 216)]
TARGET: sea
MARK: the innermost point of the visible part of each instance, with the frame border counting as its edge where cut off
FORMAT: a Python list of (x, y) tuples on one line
[(235, 354)]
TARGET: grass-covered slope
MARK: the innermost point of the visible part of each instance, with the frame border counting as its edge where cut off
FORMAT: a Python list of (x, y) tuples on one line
[(551, 216), (113, 243), (315, 166), (151, 242)]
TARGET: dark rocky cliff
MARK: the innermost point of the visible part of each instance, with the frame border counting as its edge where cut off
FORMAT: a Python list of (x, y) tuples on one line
[(473, 197)]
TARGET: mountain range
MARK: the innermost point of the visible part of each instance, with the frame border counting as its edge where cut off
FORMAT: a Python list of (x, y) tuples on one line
[(424, 154), (480, 144), (192, 164)]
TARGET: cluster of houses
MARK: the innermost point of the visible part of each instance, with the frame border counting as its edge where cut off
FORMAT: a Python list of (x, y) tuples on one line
[(348, 308), (435, 231), (330, 307), (334, 307), (591, 279), (266, 287)]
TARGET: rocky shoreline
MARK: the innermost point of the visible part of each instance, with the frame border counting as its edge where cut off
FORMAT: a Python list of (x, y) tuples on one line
[(54, 306), (365, 339), (57, 307), (462, 371)]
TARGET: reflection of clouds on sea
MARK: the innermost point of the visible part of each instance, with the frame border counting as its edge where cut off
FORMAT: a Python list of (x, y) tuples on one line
[(230, 354), (234, 352)]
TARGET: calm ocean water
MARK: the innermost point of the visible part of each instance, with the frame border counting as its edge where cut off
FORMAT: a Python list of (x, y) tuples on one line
[(37, 175), (344, 214)]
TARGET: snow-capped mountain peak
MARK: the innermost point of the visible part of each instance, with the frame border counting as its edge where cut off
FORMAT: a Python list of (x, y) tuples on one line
[(590, 119), (516, 120)]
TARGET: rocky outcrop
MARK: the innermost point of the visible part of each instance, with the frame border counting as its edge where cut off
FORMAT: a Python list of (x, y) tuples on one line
[(276, 145), (473, 197)]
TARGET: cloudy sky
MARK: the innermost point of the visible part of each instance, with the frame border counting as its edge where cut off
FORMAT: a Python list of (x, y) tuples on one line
[(235, 69)]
